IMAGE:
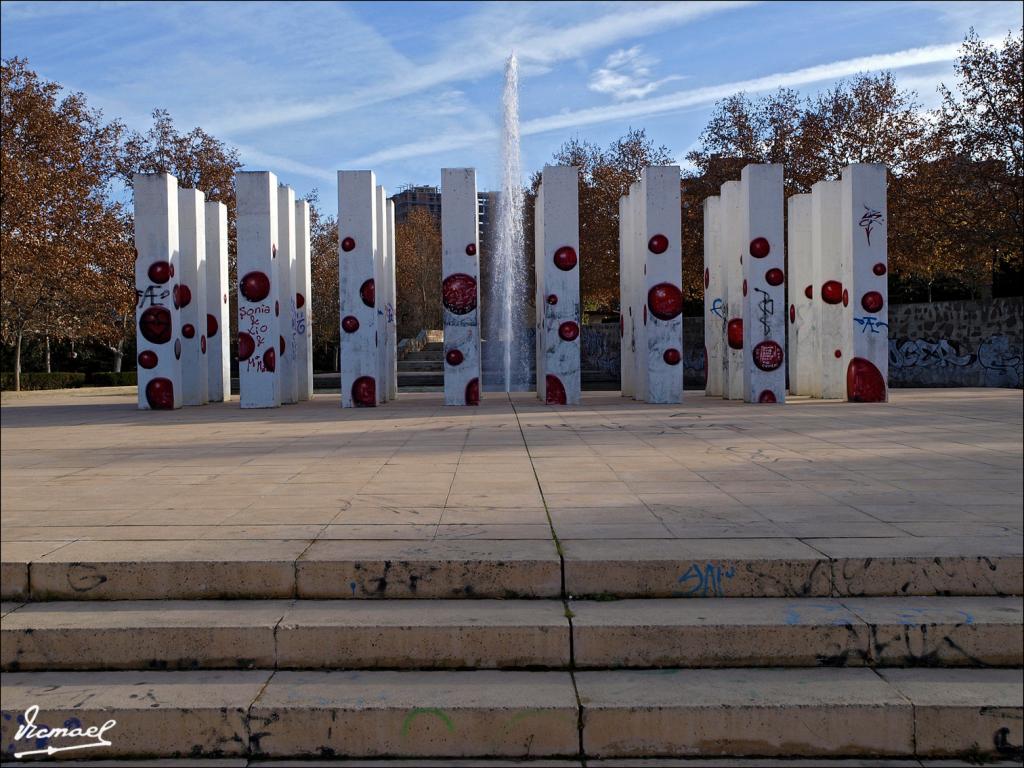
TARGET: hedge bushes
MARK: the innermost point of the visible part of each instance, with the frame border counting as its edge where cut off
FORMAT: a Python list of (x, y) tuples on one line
[(32, 380)]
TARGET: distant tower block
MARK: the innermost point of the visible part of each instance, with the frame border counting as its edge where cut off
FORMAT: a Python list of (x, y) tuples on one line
[(218, 320), (190, 296), (392, 304), (557, 262), (627, 367), (804, 359), (460, 293), (864, 231), (301, 281), (285, 304), (714, 309), (157, 322), (258, 324), (764, 285), (732, 289), (826, 288), (357, 285), (379, 265)]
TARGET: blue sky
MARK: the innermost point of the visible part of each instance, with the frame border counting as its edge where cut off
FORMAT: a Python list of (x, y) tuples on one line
[(408, 88)]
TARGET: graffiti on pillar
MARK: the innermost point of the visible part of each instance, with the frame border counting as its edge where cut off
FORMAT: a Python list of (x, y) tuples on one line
[(869, 324), (869, 221)]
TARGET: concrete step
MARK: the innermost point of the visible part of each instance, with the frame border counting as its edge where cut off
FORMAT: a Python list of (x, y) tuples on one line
[(704, 568), (431, 355), (619, 714), (421, 366), (489, 634), (421, 379)]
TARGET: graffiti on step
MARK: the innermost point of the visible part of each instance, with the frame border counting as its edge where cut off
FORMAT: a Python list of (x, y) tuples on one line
[(921, 361), (705, 580)]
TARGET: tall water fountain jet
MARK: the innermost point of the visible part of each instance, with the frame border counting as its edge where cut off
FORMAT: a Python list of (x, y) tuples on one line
[(507, 349)]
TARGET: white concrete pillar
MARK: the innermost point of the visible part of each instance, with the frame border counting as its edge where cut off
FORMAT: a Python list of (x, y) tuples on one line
[(357, 284), (302, 329), (391, 309), (258, 324), (732, 290), (714, 310), (864, 230), (380, 265), (460, 291), (826, 289), (627, 363), (285, 305), (804, 359), (190, 296), (557, 247), (218, 318), (157, 321), (764, 285)]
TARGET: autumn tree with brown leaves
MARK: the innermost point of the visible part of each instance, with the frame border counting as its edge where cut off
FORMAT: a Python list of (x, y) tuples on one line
[(417, 273)]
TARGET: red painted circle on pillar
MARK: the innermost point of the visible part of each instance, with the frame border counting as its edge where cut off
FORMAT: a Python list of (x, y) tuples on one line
[(177, 349), (879, 269), (188, 330), (565, 258), (744, 287), (348, 244), (254, 286), (300, 301), (767, 396), (246, 345), (568, 331), (364, 392), (473, 392), (458, 293), (552, 299), (280, 340), (368, 292), (792, 313), (832, 292), (160, 272), (672, 356), (665, 301), (202, 344), (872, 301), (864, 382), (155, 325), (554, 390), (846, 298), (809, 291), (454, 357), (838, 353), (160, 394), (471, 249), (350, 324), (768, 355), (148, 359), (759, 247), (212, 326), (657, 244), (277, 309), (734, 333), (270, 360), (774, 276), (707, 277), (182, 295)]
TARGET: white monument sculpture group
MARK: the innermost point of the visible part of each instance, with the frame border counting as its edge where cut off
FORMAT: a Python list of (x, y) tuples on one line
[(837, 290)]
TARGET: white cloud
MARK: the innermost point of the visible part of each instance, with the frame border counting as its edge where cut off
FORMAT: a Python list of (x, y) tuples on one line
[(626, 74)]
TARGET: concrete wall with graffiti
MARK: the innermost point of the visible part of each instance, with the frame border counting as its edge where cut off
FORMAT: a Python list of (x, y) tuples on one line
[(942, 344)]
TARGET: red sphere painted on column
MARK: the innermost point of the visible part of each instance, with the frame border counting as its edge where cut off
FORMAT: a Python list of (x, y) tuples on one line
[(364, 392), (809, 291), (734, 333), (879, 269), (565, 258), (246, 345), (473, 392), (270, 360), (768, 355), (454, 357), (832, 292), (707, 277), (254, 286), (160, 394), (188, 330), (767, 396), (657, 244), (348, 244), (552, 299), (672, 356), (350, 324), (212, 326), (744, 287), (155, 325), (759, 247), (300, 301), (458, 293), (202, 344), (665, 301), (471, 249), (160, 272), (177, 349), (277, 309), (864, 382), (182, 295), (846, 298), (280, 340), (148, 359), (368, 292), (792, 313), (774, 276), (568, 331), (554, 390), (838, 353), (872, 301)]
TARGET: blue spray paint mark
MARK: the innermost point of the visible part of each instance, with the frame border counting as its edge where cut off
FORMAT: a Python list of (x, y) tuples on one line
[(706, 579)]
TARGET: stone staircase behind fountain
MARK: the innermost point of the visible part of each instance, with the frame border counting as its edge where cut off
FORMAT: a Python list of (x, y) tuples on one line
[(595, 650)]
